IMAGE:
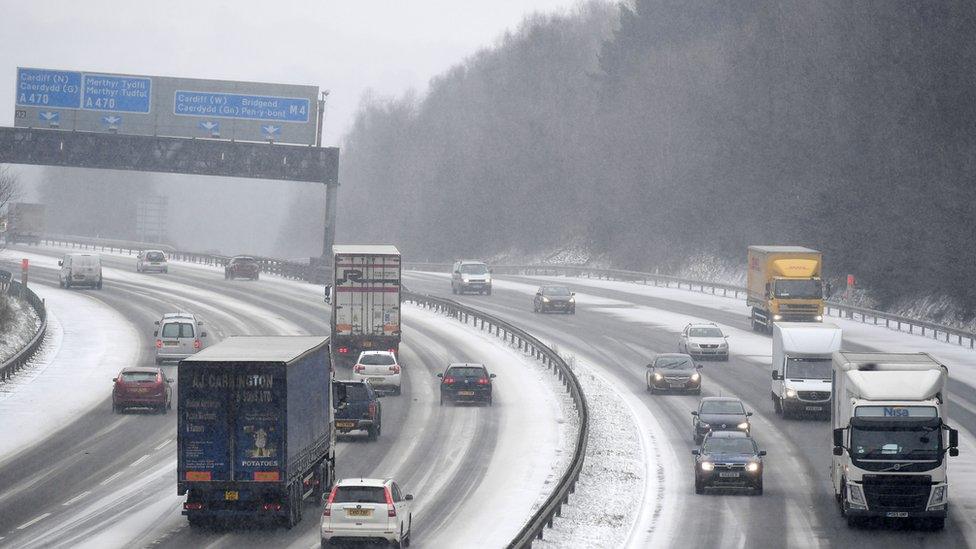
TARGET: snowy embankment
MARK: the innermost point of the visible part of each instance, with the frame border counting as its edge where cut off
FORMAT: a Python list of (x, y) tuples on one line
[(20, 327), (86, 345)]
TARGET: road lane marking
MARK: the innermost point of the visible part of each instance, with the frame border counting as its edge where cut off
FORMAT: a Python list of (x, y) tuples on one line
[(76, 498), (110, 479), (140, 460), (165, 442), (34, 521)]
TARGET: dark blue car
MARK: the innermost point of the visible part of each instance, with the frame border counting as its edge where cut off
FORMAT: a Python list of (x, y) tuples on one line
[(357, 408), (729, 459)]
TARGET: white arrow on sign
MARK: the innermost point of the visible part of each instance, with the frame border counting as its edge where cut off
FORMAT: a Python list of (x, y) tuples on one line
[(271, 129), (111, 120), (208, 125), (48, 115)]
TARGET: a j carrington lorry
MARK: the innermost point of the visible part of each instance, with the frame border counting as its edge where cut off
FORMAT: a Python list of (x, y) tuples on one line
[(802, 354), (890, 437), (784, 284)]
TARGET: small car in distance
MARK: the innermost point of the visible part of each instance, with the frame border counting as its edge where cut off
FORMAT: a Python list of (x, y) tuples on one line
[(79, 269), (704, 341), (720, 414), (673, 372), (466, 382), (554, 298), (142, 387), (367, 509), (729, 459), (380, 368), (242, 266), (358, 408), (152, 260), (470, 276), (178, 336)]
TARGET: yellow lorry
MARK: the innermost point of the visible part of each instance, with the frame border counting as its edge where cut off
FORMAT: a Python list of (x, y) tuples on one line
[(784, 284)]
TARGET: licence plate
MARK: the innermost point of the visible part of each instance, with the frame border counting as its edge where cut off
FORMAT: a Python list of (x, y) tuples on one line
[(141, 390), (170, 343), (466, 393), (732, 474), (367, 344), (814, 408), (232, 495), (376, 380), (359, 512), (676, 385), (896, 514), (346, 424)]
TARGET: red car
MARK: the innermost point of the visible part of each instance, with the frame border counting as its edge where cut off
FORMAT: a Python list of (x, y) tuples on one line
[(242, 266), (142, 387)]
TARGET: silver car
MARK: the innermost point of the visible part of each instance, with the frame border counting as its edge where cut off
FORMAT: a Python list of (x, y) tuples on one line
[(470, 276), (151, 260), (178, 336), (704, 341)]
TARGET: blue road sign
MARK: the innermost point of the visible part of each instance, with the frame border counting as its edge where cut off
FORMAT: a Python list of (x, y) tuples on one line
[(52, 118), (248, 107), (116, 93), (48, 88)]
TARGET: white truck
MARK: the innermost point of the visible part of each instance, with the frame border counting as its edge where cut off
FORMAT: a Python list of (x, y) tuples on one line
[(802, 353), (365, 297), (890, 437)]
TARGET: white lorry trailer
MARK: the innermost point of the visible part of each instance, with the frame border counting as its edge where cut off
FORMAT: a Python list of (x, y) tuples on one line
[(802, 354), (890, 437)]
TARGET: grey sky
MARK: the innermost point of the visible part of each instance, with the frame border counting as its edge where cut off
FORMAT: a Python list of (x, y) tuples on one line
[(346, 46)]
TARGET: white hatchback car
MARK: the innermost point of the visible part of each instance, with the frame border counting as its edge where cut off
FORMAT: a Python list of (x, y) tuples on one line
[(380, 369), (367, 509), (704, 341), (151, 260)]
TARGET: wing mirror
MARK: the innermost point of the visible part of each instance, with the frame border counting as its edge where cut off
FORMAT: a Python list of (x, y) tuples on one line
[(748, 414), (203, 334), (439, 374), (408, 497), (650, 365), (155, 333), (60, 263), (491, 375), (838, 435), (115, 380), (762, 453), (775, 375), (696, 452), (156, 323), (694, 412)]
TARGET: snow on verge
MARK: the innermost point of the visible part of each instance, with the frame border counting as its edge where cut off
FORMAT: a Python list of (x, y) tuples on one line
[(23, 324)]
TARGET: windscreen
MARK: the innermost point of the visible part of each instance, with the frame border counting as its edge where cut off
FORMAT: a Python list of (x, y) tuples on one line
[(722, 407), (84, 261), (176, 330), (138, 376), (799, 289), (474, 268), (466, 371), (807, 368), (729, 446), (356, 392), (155, 256), (909, 439), (377, 360), (360, 494), (705, 332), (676, 363), (556, 291)]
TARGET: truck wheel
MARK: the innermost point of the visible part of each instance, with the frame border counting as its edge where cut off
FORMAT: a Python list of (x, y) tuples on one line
[(777, 405), (758, 490), (372, 433), (99, 285), (67, 283), (699, 486), (442, 399), (486, 293)]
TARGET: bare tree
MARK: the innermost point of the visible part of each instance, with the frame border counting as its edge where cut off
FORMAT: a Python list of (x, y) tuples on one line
[(9, 191)]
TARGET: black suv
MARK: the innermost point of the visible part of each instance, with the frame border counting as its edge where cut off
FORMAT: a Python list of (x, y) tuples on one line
[(720, 414), (673, 372), (729, 459), (466, 382), (554, 298), (357, 408)]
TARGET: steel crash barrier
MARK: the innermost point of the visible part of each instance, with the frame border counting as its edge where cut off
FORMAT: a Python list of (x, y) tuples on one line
[(16, 362), (526, 342)]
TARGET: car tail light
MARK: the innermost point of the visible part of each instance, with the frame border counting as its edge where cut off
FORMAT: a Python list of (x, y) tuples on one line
[(395, 369), (159, 343), (271, 507), (328, 504), (196, 344), (195, 506), (483, 381), (359, 368), (448, 380), (343, 350), (390, 508), (392, 350), (372, 410)]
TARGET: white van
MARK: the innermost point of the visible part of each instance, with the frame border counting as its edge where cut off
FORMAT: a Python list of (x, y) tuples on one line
[(802, 355), (78, 269), (178, 336)]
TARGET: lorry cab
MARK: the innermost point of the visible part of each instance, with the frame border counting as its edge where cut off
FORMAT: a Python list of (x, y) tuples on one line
[(178, 336), (78, 269), (784, 284), (801, 365)]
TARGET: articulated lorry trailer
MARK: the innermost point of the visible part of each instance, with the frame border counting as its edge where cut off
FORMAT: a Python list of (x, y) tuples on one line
[(891, 437), (255, 435), (784, 284), (366, 300), (25, 223)]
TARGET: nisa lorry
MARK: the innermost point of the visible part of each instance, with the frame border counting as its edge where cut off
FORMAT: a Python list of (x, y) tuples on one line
[(802, 354), (365, 300), (25, 223), (783, 283), (891, 437), (254, 434)]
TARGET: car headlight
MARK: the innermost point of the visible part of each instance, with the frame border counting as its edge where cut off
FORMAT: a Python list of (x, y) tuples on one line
[(707, 466), (752, 466), (855, 494), (658, 377), (791, 393), (692, 344), (704, 425), (695, 376), (777, 317), (545, 300), (723, 345), (939, 495), (744, 425), (819, 318), (465, 279), (572, 300)]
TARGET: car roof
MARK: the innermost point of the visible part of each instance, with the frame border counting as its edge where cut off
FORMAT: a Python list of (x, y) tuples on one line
[(726, 399), (471, 261), (548, 286), (242, 257), (468, 364), (672, 355), (178, 315), (702, 324), (376, 353), (728, 434), (149, 251), (351, 381), (373, 482), (140, 369)]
